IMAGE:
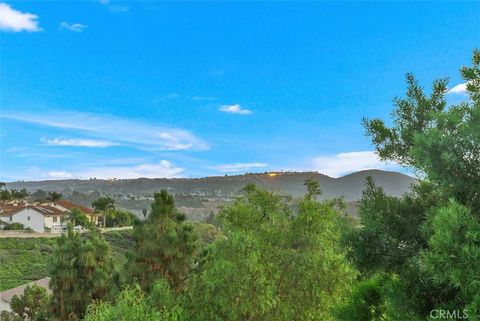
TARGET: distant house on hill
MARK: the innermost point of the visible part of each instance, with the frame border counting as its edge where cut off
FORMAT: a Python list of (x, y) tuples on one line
[(42, 217), (7, 295)]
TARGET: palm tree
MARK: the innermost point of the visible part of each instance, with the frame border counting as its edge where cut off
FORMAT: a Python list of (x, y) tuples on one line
[(103, 204), (54, 197)]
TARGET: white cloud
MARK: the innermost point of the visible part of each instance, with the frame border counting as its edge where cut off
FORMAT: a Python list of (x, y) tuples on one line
[(16, 21), (114, 7), (345, 163), (60, 175), (140, 134), (234, 109), (203, 98), (171, 96), (79, 142), (458, 89), (118, 8), (162, 169), (237, 167), (75, 27)]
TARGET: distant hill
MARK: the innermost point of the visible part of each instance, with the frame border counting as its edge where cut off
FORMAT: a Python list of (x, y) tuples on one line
[(202, 195)]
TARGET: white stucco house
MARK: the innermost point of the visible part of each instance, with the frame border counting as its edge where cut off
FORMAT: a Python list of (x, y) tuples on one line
[(42, 217), (37, 217)]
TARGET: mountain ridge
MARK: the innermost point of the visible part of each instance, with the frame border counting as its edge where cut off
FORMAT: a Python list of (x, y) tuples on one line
[(349, 186)]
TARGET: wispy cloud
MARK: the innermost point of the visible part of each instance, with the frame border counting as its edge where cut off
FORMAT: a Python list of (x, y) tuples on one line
[(458, 89), (235, 109), (75, 27), (113, 6), (345, 163), (171, 96), (162, 98), (60, 175), (78, 142), (16, 21), (237, 167), (203, 98), (162, 169), (123, 131)]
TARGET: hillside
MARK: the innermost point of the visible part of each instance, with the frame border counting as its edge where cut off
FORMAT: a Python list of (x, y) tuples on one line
[(197, 197), (25, 259)]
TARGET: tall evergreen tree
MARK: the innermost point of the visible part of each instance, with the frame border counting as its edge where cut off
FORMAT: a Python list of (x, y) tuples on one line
[(164, 246), (431, 244), (80, 274)]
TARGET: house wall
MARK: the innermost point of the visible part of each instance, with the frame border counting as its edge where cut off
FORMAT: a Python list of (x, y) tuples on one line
[(36, 221), (50, 223), (2, 225)]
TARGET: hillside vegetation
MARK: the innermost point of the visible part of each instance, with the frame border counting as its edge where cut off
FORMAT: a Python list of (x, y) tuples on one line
[(198, 197), (23, 260)]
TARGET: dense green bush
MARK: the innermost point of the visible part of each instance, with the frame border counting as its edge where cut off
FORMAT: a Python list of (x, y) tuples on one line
[(14, 227)]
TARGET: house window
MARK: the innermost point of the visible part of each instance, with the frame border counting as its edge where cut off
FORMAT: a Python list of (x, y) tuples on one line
[(10, 218), (54, 219), (28, 218)]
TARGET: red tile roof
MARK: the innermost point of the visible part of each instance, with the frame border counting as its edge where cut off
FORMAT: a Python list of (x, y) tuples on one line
[(42, 209), (69, 205), (8, 208)]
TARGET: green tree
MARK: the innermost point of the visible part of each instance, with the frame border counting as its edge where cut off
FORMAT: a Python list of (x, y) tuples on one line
[(313, 188), (454, 256), (164, 246), (379, 298), (440, 142), (13, 194), (390, 233), (132, 305), (80, 274), (430, 244), (120, 218), (31, 305), (271, 264), (77, 217), (104, 204), (54, 197), (39, 196), (5, 195)]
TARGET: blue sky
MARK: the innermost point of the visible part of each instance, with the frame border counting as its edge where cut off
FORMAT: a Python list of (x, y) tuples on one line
[(127, 89)]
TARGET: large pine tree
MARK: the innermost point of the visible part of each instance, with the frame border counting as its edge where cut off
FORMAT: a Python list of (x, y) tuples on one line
[(164, 246), (80, 274)]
